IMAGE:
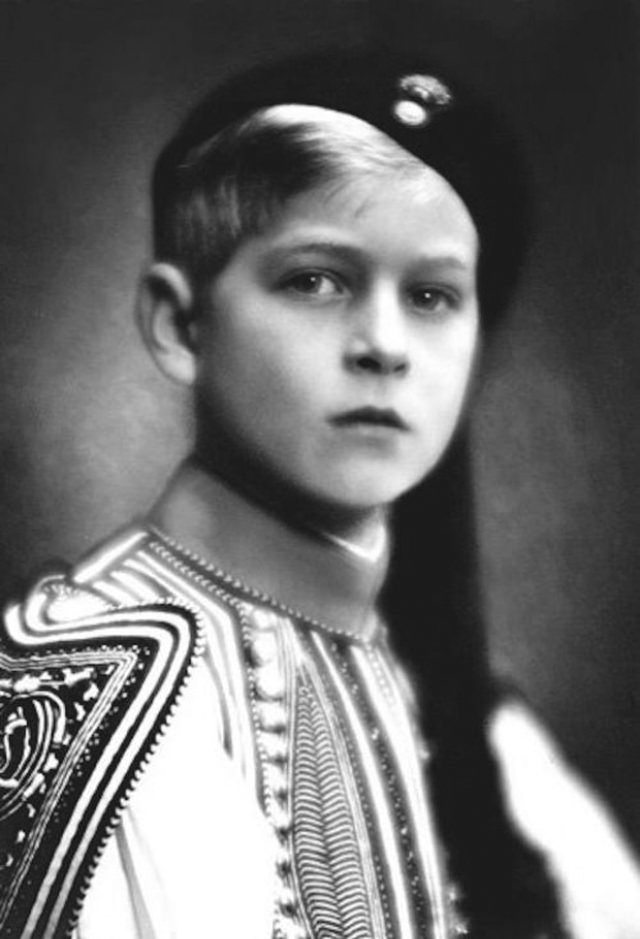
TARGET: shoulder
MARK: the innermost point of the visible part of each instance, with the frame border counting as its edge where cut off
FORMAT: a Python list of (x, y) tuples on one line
[(129, 570), (86, 686), (76, 621), (560, 814), (65, 593)]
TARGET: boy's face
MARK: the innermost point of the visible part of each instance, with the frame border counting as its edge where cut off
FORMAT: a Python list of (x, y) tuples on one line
[(336, 352)]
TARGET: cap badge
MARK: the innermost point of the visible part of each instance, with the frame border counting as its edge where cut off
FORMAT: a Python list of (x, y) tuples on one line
[(419, 98)]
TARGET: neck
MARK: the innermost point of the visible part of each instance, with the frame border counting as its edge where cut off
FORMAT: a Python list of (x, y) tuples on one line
[(331, 573), (353, 528)]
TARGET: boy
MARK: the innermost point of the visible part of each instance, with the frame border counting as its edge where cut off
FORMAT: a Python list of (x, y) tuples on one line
[(206, 732)]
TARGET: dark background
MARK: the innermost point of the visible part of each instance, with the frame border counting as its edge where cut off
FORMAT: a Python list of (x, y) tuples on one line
[(88, 92)]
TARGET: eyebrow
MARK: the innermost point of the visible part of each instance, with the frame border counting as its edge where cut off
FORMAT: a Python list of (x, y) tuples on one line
[(351, 253)]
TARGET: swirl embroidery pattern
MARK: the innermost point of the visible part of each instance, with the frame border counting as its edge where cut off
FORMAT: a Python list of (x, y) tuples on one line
[(48, 712), (81, 704), (38, 715)]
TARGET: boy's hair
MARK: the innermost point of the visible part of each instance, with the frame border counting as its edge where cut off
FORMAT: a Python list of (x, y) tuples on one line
[(232, 164), (233, 186)]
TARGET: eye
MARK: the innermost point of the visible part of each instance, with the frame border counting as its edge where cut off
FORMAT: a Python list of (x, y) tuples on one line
[(313, 284), (431, 299)]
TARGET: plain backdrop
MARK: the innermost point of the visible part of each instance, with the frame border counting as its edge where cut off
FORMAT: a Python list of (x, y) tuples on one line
[(90, 89)]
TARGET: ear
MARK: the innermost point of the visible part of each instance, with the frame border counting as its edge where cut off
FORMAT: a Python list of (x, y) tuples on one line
[(163, 312)]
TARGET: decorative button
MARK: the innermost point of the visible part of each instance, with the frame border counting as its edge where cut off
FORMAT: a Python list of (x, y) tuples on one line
[(283, 861), (287, 901), (277, 781), (270, 683), (411, 113), (275, 747), (263, 648), (419, 98), (263, 619), (281, 820), (290, 929), (272, 715)]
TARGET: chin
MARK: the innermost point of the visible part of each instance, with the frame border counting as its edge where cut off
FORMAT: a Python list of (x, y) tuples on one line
[(365, 495)]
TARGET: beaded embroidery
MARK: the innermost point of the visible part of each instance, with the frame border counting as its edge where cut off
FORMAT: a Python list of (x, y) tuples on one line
[(313, 784)]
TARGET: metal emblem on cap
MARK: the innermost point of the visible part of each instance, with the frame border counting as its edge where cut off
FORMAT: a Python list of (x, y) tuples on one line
[(419, 98)]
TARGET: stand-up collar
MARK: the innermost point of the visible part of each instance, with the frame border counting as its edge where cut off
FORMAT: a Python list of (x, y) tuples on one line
[(297, 568)]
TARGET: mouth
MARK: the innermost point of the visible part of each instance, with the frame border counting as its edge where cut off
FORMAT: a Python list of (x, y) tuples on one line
[(370, 417)]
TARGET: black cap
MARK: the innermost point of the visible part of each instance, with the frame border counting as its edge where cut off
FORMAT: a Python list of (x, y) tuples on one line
[(460, 135)]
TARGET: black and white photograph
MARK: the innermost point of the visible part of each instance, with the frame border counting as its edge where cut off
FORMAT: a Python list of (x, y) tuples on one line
[(319, 459)]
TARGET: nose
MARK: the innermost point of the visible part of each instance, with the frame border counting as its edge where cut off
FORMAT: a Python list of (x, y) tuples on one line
[(378, 342)]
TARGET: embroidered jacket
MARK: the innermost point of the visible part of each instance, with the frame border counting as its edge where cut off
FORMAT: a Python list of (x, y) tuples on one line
[(95, 662), (98, 666)]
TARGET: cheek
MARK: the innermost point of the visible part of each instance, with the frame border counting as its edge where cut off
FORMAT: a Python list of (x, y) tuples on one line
[(255, 388), (448, 367), (446, 378), (460, 376)]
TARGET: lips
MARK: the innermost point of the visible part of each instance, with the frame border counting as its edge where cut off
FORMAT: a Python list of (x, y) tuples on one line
[(371, 417)]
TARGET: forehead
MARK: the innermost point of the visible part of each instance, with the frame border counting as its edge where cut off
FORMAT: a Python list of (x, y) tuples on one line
[(422, 206), (399, 227)]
